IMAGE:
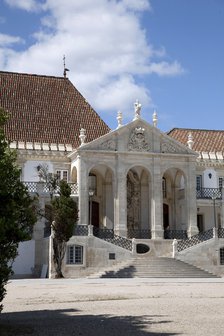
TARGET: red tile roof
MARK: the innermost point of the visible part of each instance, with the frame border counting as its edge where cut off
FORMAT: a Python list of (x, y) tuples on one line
[(47, 109), (204, 140)]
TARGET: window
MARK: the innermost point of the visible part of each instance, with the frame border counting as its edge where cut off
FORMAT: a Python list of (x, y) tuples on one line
[(62, 175), (198, 182), (221, 253), (75, 254), (220, 183)]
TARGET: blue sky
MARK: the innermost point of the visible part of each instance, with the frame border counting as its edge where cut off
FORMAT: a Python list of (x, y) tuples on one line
[(168, 54)]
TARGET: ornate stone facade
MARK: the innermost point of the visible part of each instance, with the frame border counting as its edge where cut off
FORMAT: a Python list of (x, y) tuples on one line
[(137, 141)]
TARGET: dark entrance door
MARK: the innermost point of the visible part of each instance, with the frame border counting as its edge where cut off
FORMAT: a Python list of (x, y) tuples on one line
[(200, 223), (166, 221), (165, 216), (95, 214)]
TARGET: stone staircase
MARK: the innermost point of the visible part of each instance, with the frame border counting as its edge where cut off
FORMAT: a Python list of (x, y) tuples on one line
[(158, 267)]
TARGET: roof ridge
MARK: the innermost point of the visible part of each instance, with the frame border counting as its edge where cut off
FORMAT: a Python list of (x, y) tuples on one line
[(31, 74), (193, 129)]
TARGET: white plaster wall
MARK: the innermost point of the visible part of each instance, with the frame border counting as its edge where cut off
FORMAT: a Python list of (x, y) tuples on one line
[(210, 182), (24, 262), (30, 170)]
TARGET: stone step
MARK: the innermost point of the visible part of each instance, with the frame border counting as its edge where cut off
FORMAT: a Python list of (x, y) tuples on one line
[(157, 268)]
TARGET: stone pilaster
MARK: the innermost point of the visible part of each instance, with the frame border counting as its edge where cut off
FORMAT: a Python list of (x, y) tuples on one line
[(191, 201), (157, 202), (120, 215), (82, 178), (222, 207)]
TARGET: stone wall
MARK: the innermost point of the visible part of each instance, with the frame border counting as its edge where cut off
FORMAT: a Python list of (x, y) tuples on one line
[(205, 256)]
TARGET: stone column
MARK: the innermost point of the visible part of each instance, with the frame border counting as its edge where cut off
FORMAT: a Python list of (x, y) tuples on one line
[(157, 202), (222, 206), (83, 192), (120, 208), (191, 201)]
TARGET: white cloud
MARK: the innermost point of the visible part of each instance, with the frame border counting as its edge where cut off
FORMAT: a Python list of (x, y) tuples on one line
[(105, 46), (137, 4), (28, 5), (166, 69), (7, 40)]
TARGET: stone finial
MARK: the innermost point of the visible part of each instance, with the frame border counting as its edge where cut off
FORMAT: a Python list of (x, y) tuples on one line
[(82, 136), (154, 118), (119, 119), (138, 107), (190, 141)]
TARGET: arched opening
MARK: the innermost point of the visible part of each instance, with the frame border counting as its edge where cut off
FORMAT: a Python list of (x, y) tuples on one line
[(138, 211), (174, 204), (101, 198)]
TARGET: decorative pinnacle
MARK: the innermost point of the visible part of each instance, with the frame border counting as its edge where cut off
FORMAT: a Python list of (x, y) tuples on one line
[(82, 136), (119, 119), (154, 118), (190, 141), (138, 107)]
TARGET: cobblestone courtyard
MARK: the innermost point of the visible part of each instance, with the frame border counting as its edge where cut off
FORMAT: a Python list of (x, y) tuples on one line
[(109, 307)]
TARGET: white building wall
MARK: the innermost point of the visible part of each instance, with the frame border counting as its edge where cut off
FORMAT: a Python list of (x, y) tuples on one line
[(30, 170), (24, 262), (210, 178)]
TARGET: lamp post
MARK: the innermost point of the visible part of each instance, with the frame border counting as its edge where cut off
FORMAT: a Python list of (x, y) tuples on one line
[(214, 197), (91, 193)]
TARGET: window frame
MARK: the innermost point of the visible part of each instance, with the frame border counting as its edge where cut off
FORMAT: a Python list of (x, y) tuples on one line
[(221, 256), (75, 255), (60, 174)]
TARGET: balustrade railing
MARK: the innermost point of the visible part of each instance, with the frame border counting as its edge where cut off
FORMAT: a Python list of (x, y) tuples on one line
[(139, 234), (209, 193), (80, 230), (196, 239), (109, 236), (44, 188), (221, 233), (175, 234)]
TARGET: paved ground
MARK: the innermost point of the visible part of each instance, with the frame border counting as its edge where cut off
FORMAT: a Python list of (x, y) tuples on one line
[(113, 307)]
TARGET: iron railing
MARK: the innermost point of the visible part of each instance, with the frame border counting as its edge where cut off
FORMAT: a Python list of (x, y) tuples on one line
[(43, 188), (221, 233), (139, 234), (109, 236), (197, 239), (209, 193), (175, 234), (80, 230)]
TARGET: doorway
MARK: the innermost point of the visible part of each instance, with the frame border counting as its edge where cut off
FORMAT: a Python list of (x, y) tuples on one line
[(95, 214), (200, 223)]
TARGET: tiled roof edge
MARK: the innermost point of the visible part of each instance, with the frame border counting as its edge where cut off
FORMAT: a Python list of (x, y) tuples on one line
[(41, 146), (30, 74)]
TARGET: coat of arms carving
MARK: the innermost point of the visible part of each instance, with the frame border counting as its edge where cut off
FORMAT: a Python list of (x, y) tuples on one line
[(137, 140)]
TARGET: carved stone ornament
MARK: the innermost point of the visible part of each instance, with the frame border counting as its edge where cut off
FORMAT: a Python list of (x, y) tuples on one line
[(137, 141), (167, 147), (109, 145)]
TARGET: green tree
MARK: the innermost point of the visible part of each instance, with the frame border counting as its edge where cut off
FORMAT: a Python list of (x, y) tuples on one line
[(17, 209), (62, 213)]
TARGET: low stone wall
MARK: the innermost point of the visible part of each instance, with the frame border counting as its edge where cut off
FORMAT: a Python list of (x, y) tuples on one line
[(157, 247), (205, 256), (96, 256)]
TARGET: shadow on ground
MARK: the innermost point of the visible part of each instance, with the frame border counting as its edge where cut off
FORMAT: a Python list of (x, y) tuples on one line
[(70, 322)]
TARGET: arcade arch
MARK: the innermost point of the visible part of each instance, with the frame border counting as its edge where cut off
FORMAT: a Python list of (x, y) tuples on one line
[(138, 202), (174, 202)]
